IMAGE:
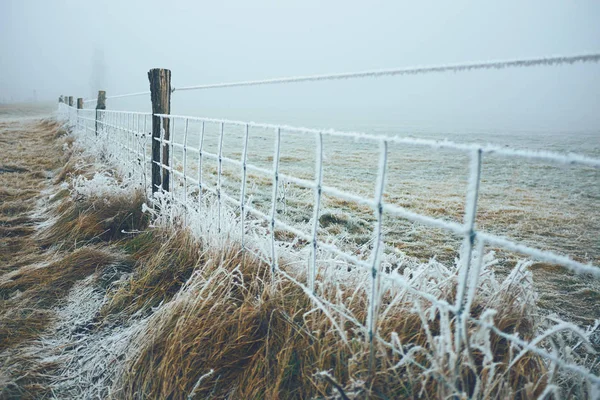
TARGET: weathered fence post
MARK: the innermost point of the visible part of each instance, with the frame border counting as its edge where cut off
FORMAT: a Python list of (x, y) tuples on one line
[(160, 94), (100, 105), (79, 107), (71, 101), (60, 99)]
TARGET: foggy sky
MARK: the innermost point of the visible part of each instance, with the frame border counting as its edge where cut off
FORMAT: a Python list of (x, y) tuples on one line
[(49, 46)]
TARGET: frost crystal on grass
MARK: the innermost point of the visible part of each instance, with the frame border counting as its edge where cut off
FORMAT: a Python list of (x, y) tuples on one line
[(418, 338)]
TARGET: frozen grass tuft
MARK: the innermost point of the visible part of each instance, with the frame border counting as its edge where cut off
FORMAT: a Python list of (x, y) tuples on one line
[(29, 294), (165, 260), (98, 209), (264, 338)]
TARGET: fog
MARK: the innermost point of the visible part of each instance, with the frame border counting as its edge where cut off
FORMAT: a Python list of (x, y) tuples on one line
[(76, 48)]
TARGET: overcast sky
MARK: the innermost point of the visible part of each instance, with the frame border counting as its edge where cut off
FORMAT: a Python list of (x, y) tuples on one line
[(49, 46)]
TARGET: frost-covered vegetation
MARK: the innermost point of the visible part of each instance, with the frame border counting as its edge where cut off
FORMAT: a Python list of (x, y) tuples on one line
[(145, 298)]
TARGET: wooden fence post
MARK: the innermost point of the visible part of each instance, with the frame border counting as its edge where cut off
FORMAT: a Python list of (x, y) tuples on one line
[(71, 101), (160, 94), (100, 105), (79, 107), (60, 99)]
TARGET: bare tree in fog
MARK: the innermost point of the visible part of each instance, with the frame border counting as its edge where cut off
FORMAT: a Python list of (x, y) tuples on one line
[(98, 76)]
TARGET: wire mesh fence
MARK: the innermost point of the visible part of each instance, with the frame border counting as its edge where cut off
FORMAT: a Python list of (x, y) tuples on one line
[(252, 169), (197, 171)]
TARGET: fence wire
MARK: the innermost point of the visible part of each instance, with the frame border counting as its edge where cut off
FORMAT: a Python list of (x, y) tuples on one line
[(127, 136), (419, 70)]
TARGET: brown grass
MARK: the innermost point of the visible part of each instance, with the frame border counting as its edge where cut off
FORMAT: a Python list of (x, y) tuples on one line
[(284, 159), (90, 220), (34, 282), (30, 156), (28, 295), (24, 377), (263, 342), (248, 335), (221, 311), (165, 260)]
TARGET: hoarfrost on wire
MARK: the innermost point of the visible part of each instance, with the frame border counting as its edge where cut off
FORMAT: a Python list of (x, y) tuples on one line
[(406, 281)]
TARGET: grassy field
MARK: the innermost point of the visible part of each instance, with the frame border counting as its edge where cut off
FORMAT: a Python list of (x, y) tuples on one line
[(99, 299)]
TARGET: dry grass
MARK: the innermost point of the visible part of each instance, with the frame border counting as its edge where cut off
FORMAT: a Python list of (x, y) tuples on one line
[(70, 168), (266, 340), (220, 327), (285, 159), (348, 223), (165, 260), (93, 219), (31, 155), (28, 295), (246, 333), (24, 377), (34, 282), (28, 301)]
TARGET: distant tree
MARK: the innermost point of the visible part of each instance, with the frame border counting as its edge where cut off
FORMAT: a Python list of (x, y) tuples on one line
[(98, 76)]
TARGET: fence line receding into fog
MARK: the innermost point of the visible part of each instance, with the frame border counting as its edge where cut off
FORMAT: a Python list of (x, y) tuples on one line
[(148, 144)]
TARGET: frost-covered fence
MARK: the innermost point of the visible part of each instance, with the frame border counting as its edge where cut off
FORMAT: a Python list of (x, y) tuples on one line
[(127, 138)]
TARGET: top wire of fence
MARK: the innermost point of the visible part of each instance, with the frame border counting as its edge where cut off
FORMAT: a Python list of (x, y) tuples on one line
[(416, 70)]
